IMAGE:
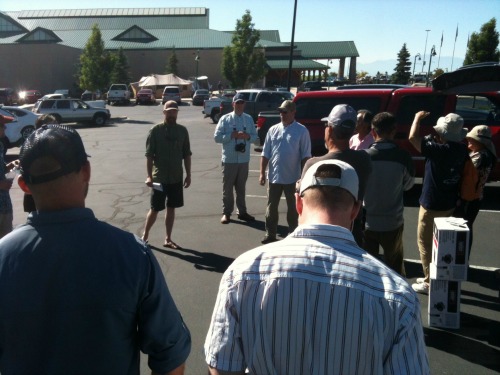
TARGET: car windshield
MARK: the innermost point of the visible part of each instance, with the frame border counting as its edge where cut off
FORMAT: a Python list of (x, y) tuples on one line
[(201, 92)]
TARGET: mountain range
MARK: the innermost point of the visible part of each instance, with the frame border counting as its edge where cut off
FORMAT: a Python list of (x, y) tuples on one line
[(382, 66)]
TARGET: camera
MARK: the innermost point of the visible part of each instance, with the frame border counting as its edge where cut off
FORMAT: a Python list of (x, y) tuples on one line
[(240, 147)]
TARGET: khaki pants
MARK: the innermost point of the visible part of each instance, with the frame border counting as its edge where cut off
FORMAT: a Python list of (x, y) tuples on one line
[(424, 236), (392, 243)]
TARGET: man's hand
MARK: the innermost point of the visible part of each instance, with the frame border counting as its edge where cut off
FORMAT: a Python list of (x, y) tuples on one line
[(419, 116), (187, 181), (6, 184), (262, 179), (149, 181)]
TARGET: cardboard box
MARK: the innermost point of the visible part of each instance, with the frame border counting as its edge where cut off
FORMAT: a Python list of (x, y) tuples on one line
[(455, 273), (450, 248), (444, 304)]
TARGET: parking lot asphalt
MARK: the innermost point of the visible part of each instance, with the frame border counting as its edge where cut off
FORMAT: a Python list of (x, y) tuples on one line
[(119, 196)]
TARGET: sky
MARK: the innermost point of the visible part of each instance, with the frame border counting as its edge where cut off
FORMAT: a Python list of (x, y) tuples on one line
[(379, 28)]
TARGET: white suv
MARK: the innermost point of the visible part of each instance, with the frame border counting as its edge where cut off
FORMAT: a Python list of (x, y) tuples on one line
[(171, 93), (72, 110)]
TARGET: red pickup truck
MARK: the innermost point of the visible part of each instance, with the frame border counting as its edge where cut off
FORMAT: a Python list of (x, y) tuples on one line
[(481, 108)]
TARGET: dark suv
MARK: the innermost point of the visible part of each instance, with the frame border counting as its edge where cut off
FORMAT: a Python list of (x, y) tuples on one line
[(8, 96), (312, 86)]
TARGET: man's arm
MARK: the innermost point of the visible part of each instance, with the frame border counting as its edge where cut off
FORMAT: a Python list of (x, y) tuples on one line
[(414, 136), (177, 371), (149, 171), (214, 371), (187, 166), (263, 165)]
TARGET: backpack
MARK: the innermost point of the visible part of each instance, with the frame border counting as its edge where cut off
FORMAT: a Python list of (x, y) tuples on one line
[(469, 182)]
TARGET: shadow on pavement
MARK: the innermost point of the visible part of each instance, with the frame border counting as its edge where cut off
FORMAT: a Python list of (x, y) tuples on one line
[(202, 261), (463, 343)]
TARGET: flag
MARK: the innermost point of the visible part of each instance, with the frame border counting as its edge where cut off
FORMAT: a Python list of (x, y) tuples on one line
[(442, 38), (456, 34)]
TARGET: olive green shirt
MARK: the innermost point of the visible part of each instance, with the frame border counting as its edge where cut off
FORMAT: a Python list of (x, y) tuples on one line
[(168, 145)]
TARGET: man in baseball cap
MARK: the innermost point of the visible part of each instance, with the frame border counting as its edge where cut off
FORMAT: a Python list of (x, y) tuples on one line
[(84, 283), (339, 128), (321, 284)]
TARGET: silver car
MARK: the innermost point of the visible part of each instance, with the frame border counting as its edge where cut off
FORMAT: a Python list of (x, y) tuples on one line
[(171, 93)]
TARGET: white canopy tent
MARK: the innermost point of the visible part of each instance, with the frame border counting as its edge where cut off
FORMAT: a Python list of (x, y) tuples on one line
[(157, 82)]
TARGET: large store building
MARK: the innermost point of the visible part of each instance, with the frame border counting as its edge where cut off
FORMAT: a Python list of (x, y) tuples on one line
[(40, 49)]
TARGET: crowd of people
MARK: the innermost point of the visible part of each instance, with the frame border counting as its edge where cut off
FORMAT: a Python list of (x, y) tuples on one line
[(319, 301)]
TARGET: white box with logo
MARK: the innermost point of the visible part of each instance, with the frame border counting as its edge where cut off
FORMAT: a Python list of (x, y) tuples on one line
[(444, 303), (450, 249)]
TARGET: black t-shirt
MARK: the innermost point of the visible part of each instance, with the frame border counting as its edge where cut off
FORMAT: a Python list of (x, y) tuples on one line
[(444, 165)]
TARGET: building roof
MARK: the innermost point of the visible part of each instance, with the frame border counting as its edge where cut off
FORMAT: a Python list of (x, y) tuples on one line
[(327, 50), (297, 63), (150, 28)]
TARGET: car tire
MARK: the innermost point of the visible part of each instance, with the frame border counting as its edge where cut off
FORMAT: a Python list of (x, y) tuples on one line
[(215, 117), (99, 119), (26, 131)]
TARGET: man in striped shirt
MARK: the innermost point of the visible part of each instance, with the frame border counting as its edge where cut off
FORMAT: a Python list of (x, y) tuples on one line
[(315, 303)]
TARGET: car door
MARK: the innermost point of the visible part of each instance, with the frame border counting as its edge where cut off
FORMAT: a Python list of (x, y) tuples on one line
[(63, 108)]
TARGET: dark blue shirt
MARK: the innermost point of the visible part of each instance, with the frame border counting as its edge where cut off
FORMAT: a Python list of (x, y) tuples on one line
[(443, 168), (80, 296)]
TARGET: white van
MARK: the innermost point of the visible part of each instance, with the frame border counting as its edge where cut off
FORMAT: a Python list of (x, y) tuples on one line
[(171, 93)]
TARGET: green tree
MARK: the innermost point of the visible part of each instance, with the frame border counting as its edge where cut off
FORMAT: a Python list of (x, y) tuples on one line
[(119, 68), (402, 70), (94, 63), (171, 66), (243, 62), (437, 72), (483, 46)]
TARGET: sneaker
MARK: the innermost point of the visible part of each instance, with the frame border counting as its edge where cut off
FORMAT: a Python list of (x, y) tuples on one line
[(421, 288), (246, 217), (420, 280), (268, 239), (225, 219)]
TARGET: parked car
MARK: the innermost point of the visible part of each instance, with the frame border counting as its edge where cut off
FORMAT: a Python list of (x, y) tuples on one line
[(29, 96), (200, 96), (228, 93), (8, 96), (118, 93), (478, 108), (312, 86), (63, 92), (171, 93), (24, 123), (89, 95), (211, 107), (145, 96), (72, 110)]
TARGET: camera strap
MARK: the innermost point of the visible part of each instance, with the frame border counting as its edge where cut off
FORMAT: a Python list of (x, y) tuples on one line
[(244, 128)]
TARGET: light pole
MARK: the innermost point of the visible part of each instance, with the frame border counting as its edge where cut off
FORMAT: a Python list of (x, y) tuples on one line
[(425, 49), (433, 53), (289, 78), (414, 62), (197, 59)]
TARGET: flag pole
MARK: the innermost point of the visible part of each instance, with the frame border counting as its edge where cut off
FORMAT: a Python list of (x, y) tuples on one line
[(441, 46), (454, 44)]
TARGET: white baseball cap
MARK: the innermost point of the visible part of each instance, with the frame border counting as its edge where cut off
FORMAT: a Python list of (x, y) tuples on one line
[(348, 179)]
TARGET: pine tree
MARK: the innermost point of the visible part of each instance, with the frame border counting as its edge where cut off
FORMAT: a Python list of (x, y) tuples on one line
[(172, 63), (91, 75), (243, 62), (120, 68), (402, 71), (483, 46)]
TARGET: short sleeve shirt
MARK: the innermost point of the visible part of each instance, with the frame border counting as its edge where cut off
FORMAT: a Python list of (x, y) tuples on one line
[(168, 146)]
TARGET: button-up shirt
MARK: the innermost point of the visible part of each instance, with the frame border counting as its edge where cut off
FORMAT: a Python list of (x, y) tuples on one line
[(229, 123)]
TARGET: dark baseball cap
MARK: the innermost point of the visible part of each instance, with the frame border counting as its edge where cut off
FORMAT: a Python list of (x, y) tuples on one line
[(60, 143)]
